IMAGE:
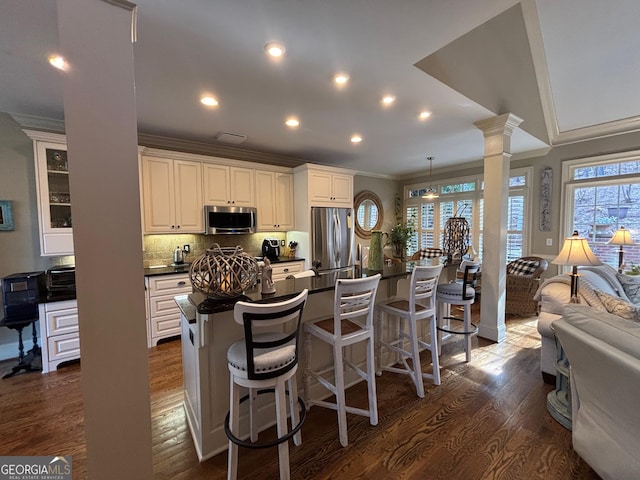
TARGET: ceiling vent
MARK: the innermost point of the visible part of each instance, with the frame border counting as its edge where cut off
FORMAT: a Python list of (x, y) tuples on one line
[(234, 138)]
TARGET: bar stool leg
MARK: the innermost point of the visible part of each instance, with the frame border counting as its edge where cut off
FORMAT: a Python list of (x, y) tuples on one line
[(371, 383), (435, 350), (234, 426), (306, 377), (377, 334), (415, 353), (281, 416), (293, 407), (253, 414), (340, 396), (467, 328)]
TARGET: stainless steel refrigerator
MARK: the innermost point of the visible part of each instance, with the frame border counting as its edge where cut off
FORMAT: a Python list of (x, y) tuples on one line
[(331, 239)]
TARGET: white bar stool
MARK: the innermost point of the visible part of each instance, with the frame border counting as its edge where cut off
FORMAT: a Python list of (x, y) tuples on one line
[(352, 322), (265, 362), (458, 293), (420, 305)]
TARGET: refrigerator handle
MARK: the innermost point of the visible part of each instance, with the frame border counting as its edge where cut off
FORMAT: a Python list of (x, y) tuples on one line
[(337, 237)]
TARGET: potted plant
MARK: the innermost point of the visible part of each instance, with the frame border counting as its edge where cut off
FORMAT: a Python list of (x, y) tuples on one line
[(400, 235)]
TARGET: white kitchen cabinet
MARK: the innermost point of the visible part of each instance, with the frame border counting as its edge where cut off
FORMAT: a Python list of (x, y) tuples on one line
[(172, 195), (52, 190), (332, 189), (164, 314), (274, 193), (226, 185), (280, 271), (59, 334)]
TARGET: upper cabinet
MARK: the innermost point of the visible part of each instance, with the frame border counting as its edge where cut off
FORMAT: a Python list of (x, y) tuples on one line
[(330, 189), (224, 185), (172, 195), (52, 189), (326, 186), (274, 194)]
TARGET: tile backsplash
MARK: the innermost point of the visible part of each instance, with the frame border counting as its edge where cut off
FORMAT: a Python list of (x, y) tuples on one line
[(158, 249)]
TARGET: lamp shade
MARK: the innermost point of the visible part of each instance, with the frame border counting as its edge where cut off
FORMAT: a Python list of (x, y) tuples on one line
[(621, 237), (576, 252)]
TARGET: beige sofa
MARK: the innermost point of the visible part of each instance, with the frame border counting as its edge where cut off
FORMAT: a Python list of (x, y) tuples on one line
[(555, 293), (604, 352)]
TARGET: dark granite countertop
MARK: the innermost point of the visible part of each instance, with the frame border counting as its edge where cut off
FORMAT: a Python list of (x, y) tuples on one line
[(197, 302), (184, 268)]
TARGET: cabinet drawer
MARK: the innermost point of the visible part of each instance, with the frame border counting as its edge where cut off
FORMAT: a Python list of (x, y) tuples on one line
[(169, 284), (165, 326), (64, 347), (163, 305), (62, 321), (280, 272)]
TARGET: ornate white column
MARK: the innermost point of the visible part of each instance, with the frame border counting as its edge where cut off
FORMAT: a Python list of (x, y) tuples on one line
[(497, 154)]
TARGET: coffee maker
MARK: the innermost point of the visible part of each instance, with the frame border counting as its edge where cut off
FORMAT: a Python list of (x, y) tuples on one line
[(271, 249)]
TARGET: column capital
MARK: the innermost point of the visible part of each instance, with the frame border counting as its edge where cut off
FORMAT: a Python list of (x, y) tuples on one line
[(499, 125)]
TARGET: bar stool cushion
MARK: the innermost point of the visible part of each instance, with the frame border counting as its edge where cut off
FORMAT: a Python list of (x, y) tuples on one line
[(265, 359), (453, 291)]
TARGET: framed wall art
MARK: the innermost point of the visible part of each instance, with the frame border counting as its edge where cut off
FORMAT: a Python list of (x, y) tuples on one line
[(546, 182), (6, 215)]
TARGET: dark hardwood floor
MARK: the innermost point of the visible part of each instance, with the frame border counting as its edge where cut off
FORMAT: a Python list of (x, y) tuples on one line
[(488, 420)]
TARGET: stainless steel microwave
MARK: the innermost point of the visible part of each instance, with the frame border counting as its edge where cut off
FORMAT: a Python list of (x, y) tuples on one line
[(229, 220)]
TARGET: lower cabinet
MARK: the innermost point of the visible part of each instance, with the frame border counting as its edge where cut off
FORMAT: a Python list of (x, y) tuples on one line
[(59, 333), (280, 271), (164, 314)]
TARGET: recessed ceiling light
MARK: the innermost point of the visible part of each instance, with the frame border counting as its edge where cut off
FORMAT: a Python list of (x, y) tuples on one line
[(58, 62), (274, 49), (292, 122), (356, 138), (209, 101), (340, 79), (424, 115), (388, 99)]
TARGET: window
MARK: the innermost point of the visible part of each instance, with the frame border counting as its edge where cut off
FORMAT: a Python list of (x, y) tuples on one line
[(464, 198), (600, 195)]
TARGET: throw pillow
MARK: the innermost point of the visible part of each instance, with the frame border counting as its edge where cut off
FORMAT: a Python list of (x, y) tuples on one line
[(522, 267), (619, 307), (631, 286)]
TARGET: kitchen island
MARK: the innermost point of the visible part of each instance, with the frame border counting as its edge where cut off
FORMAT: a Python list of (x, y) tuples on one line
[(208, 329)]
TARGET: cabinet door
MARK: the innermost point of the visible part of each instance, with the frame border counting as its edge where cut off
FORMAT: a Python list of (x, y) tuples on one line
[(159, 202), (343, 189), (242, 187), (265, 195), (188, 197), (320, 187), (284, 201), (217, 190), (54, 199)]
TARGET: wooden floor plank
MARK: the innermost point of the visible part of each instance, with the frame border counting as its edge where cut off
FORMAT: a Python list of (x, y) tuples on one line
[(487, 420)]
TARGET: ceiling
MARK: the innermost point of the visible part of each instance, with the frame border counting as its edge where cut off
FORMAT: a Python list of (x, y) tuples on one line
[(569, 69)]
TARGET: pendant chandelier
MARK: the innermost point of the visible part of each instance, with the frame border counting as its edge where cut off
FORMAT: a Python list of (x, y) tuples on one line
[(431, 193)]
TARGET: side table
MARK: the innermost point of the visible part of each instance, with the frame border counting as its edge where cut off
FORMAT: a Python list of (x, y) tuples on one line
[(559, 400), (32, 361)]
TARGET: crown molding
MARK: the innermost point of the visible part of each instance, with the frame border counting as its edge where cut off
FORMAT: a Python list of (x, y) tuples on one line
[(31, 122), (617, 127)]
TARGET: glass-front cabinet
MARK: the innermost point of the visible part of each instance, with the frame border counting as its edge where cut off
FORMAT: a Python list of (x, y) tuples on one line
[(54, 196)]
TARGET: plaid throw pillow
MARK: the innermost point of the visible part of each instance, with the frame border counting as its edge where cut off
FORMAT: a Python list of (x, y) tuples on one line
[(522, 267), (430, 253)]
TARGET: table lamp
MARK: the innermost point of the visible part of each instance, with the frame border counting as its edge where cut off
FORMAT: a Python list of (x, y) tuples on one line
[(575, 252), (621, 237)]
